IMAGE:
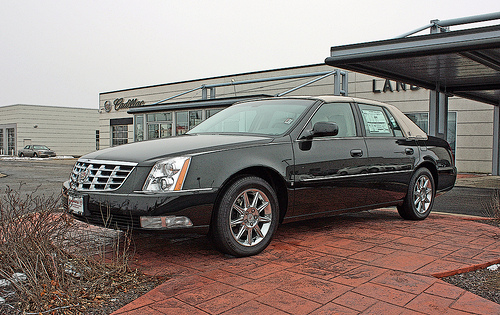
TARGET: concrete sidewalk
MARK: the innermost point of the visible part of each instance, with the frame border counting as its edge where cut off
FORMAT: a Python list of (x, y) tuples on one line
[(478, 181), (367, 263)]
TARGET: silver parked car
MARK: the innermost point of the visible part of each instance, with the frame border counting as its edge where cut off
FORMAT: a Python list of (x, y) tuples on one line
[(35, 150)]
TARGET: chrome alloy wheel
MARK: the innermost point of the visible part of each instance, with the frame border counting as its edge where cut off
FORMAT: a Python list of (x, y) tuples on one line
[(251, 217), (422, 194)]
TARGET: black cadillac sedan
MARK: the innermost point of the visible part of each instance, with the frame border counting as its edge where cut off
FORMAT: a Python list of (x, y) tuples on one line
[(259, 163)]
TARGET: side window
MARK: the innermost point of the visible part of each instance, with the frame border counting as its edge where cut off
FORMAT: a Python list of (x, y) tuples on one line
[(375, 121), (339, 113), (394, 124)]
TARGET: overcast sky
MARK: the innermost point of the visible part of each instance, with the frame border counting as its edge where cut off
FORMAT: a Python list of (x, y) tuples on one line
[(66, 52)]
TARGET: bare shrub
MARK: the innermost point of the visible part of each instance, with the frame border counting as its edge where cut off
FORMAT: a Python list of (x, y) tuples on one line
[(492, 208), (68, 266)]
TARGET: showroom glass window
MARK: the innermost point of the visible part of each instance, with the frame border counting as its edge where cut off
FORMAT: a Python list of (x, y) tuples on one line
[(211, 112), (159, 125), (97, 139), (139, 128), (119, 134), (422, 120), (1, 142), (11, 141), (187, 120)]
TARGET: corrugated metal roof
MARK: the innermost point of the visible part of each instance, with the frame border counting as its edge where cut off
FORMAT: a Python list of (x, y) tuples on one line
[(464, 63)]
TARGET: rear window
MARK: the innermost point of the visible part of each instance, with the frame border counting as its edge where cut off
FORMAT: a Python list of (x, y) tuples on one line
[(375, 121)]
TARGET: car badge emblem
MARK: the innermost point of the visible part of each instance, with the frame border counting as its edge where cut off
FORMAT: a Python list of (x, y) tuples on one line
[(82, 177)]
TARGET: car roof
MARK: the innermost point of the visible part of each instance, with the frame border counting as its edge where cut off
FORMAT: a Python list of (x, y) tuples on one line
[(408, 127)]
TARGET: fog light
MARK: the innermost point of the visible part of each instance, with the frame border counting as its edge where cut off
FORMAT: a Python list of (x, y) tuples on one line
[(168, 222)]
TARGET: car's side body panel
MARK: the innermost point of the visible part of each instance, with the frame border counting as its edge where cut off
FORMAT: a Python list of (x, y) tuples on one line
[(390, 164), (209, 170), (436, 151), (327, 177), (312, 176)]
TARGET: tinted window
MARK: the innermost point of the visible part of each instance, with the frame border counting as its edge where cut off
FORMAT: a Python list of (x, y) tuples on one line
[(375, 121), (339, 113), (394, 125)]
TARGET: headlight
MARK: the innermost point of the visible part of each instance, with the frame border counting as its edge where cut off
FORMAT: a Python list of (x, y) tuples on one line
[(167, 175)]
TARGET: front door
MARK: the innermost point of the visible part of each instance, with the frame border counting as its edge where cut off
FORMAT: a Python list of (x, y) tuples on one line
[(329, 171)]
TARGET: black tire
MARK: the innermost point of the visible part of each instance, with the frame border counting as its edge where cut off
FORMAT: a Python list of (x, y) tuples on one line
[(420, 197), (21, 154), (35, 155), (246, 217)]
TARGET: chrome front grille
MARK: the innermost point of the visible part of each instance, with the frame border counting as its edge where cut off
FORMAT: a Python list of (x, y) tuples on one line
[(99, 175)]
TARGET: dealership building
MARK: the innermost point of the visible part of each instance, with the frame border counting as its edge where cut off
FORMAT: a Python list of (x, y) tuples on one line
[(171, 109), (455, 95), (66, 130)]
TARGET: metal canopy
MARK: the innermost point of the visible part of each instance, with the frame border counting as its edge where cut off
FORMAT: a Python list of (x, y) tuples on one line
[(464, 63), (204, 103)]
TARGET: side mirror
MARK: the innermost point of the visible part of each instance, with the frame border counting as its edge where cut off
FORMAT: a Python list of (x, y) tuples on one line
[(325, 129), (321, 129)]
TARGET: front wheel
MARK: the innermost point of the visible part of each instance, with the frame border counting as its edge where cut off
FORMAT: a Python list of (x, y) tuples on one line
[(246, 217), (420, 197)]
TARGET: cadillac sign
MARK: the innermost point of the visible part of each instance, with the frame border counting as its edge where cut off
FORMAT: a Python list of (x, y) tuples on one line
[(120, 103)]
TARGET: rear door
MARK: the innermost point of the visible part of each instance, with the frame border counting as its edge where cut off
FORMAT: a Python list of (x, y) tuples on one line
[(390, 156), (328, 170)]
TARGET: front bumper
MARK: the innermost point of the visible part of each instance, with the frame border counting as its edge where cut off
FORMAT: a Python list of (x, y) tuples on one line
[(124, 211)]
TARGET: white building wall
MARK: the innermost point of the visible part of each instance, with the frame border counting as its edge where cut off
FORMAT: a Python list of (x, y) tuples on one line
[(67, 131), (474, 120)]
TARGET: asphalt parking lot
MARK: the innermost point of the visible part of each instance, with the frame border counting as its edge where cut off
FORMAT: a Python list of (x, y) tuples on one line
[(43, 177), (472, 195), (371, 262)]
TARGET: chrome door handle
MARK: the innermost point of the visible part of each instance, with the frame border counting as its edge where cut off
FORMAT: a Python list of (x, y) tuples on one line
[(356, 153)]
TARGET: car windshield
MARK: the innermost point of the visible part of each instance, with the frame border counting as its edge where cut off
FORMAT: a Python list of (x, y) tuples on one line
[(40, 147), (266, 117)]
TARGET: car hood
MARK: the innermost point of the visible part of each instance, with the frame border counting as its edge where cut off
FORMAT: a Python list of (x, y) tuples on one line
[(148, 152)]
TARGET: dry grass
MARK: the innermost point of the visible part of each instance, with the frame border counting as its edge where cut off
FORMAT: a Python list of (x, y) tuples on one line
[(492, 208), (69, 267)]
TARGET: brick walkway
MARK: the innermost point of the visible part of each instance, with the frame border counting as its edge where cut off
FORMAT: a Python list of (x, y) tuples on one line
[(366, 263)]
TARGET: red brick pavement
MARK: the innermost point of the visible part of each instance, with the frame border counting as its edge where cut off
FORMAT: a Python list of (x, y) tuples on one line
[(366, 263)]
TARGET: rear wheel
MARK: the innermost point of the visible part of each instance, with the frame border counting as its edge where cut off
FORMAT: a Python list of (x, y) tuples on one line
[(420, 197), (246, 217)]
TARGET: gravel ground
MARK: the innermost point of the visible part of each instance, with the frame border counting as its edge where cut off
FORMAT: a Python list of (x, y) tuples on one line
[(483, 282)]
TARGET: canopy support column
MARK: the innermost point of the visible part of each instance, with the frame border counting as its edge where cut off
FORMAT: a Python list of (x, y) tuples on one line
[(496, 141), (438, 103), (438, 114)]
